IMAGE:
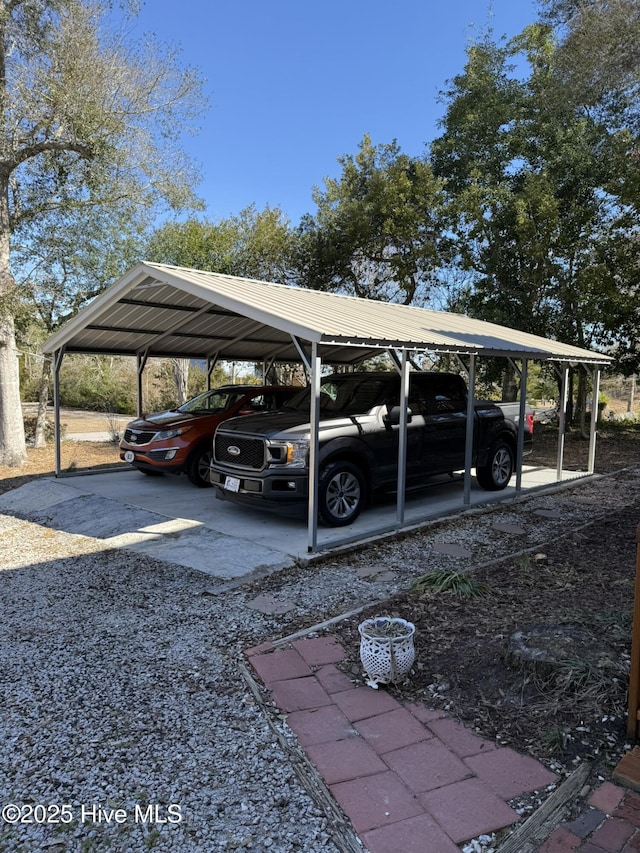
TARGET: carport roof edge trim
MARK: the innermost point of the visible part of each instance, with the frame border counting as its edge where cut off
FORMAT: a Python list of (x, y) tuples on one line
[(327, 319)]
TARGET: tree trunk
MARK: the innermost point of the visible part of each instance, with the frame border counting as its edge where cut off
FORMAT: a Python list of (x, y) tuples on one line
[(509, 384), (581, 404), (570, 416), (181, 377), (40, 439), (13, 450)]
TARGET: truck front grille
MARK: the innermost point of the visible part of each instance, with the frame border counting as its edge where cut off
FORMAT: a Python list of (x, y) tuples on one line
[(239, 452)]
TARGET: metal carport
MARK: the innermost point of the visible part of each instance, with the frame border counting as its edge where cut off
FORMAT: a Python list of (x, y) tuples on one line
[(166, 311)]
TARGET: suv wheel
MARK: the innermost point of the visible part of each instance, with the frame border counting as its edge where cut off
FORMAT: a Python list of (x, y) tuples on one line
[(341, 493), (495, 475), (198, 468)]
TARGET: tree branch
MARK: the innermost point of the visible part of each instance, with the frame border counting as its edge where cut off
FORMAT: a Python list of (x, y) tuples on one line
[(29, 151)]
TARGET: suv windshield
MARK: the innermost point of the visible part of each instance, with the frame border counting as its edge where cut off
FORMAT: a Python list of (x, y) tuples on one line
[(211, 401), (351, 394)]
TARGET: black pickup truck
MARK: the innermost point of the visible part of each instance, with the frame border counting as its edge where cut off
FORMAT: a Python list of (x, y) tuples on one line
[(263, 460)]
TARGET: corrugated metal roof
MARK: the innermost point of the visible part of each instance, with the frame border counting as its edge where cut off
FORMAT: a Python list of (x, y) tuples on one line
[(173, 311)]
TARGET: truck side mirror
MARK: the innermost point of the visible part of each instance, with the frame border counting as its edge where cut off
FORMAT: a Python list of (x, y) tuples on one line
[(393, 417)]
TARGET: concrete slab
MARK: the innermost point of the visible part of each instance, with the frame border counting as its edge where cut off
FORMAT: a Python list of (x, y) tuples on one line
[(169, 518), (95, 506)]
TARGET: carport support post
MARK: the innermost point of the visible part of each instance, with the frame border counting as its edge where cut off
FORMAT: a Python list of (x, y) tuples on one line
[(562, 420), (402, 442), (468, 447), (314, 444), (211, 363), (522, 415), (57, 364), (141, 359), (594, 420)]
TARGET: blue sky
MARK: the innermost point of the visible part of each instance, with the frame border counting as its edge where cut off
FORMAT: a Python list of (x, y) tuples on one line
[(294, 84)]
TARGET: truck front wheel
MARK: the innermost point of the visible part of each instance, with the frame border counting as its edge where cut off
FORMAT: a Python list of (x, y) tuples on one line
[(495, 475), (341, 493)]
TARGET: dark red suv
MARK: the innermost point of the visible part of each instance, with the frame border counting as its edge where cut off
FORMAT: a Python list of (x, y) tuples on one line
[(179, 441)]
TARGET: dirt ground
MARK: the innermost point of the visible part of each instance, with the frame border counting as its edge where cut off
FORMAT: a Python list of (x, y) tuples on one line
[(75, 455), (584, 580)]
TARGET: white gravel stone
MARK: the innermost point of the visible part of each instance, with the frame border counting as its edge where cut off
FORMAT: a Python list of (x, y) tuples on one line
[(120, 689)]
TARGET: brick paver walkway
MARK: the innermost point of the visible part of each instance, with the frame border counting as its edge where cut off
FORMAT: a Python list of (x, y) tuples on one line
[(610, 823), (410, 779)]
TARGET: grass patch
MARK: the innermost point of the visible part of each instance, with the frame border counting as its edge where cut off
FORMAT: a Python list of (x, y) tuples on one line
[(458, 583)]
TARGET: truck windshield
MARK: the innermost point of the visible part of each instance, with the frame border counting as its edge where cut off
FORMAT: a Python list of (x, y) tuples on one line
[(351, 394)]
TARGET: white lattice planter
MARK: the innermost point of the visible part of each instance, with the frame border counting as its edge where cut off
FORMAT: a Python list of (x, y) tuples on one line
[(386, 649)]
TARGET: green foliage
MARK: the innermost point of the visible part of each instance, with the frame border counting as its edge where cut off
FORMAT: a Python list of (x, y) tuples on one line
[(458, 583), (194, 243), (542, 382), (538, 199), (100, 120), (63, 259), (554, 740), (109, 384), (599, 54), (99, 384), (376, 233), (253, 244)]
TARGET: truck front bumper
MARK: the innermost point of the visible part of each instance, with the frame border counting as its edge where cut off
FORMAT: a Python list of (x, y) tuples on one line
[(276, 489)]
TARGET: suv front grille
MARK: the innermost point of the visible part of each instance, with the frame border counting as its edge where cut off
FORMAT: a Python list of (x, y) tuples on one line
[(247, 452), (134, 436)]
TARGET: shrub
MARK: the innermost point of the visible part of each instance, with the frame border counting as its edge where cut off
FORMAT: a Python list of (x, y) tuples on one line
[(30, 429)]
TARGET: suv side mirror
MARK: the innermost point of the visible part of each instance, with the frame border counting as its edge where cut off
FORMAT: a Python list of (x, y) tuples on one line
[(393, 417)]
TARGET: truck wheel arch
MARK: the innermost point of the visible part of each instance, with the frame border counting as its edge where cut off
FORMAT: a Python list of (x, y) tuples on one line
[(354, 455)]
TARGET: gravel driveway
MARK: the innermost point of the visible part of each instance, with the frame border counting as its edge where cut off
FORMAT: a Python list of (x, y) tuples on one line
[(119, 691), (123, 710)]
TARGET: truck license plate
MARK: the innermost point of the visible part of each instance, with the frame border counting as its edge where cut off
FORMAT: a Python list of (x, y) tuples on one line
[(232, 484)]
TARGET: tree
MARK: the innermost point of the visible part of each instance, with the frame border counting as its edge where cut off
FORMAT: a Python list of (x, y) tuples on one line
[(62, 260), (376, 232), (253, 244), (538, 197), (598, 70), (88, 120), (598, 58)]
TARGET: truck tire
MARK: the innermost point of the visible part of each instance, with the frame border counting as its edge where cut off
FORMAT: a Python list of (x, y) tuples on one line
[(198, 467), (341, 493), (497, 472)]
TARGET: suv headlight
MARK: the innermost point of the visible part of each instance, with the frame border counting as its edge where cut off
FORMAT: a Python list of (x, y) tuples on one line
[(170, 433)]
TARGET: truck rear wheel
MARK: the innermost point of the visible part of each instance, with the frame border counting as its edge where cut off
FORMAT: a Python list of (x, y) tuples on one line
[(341, 493), (497, 472)]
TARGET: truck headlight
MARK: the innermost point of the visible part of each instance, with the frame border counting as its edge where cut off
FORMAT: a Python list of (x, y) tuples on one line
[(297, 453), (292, 454)]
